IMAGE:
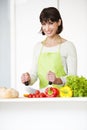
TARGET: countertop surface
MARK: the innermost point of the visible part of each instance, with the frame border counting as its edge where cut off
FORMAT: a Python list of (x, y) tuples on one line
[(23, 99)]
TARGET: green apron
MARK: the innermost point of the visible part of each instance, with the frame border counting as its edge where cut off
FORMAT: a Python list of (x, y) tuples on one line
[(49, 61)]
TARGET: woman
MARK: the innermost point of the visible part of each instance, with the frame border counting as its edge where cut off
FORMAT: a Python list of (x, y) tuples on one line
[(54, 57)]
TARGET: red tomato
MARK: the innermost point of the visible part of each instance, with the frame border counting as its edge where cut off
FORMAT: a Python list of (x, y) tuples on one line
[(37, 95), (34, 95), (30, 95), (42, 95), (37, 92)]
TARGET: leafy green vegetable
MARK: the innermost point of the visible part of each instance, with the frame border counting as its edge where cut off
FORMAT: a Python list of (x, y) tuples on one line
[(78, 84)]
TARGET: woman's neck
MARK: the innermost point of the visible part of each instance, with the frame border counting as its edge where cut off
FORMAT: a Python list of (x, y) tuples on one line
[(53, 41)]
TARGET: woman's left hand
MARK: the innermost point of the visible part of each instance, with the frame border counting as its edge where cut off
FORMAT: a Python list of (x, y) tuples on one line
[(51, 76)]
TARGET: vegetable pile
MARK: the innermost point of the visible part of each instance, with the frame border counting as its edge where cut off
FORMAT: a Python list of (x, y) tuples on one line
[(36, 94), (78, 84), (49, 92)]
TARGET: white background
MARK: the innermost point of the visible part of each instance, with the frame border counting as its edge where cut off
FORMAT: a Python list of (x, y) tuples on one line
[(75, 29), (19, 32), (21, 114), (27, 27)]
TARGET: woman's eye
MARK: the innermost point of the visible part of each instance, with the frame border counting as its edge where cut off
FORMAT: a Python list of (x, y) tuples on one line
[(50, 22), (43, 23)]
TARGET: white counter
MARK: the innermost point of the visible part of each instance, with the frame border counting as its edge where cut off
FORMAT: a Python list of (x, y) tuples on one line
[(43, 114)]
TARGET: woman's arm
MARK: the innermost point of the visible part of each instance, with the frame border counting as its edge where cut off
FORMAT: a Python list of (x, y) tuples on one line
[(69, 59), (69, 51), (34, 65)]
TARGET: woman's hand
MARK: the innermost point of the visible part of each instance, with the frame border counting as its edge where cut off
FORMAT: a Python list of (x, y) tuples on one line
[(25, 78), (52, 77)]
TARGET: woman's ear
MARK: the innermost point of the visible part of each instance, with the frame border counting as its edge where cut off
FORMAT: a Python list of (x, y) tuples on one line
[(42, 31), (59, 22)]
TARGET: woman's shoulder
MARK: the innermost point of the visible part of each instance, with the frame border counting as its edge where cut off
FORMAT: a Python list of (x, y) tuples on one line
[(68, 47), (38, 47), (68, 44)]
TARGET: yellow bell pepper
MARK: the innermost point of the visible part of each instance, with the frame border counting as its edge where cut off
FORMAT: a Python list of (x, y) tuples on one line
[(65, 91)]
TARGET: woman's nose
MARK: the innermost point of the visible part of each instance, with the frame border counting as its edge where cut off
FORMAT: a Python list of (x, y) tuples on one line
[(47, 27)]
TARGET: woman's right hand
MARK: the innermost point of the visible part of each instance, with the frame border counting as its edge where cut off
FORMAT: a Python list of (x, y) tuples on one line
[(25, 78)]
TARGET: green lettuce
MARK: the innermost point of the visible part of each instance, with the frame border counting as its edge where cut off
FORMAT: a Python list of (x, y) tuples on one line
[(78, 84)]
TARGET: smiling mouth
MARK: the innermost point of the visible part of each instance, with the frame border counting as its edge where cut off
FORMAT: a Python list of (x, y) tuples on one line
[(48, 32)]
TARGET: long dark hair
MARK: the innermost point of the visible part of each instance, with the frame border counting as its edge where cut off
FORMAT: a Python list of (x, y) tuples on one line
[(51, 13)]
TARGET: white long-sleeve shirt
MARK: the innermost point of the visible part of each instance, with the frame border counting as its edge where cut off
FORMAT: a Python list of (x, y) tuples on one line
[(68, 55)]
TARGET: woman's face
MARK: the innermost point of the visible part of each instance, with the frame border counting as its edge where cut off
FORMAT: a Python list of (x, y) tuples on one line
[(50, 28)]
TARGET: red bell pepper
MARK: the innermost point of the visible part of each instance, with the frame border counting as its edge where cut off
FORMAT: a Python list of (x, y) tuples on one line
[(51, 92)]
